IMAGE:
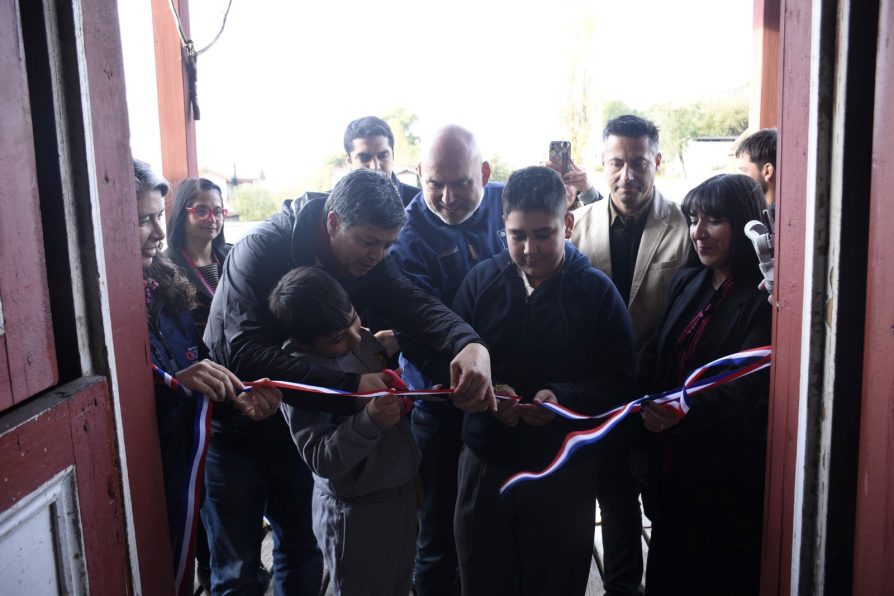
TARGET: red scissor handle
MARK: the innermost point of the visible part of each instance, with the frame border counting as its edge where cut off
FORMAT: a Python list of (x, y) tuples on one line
[(395, 382)]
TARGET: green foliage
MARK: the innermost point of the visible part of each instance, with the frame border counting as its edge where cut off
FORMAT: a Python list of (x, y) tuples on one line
[(499, 168), (253, 202), (681, 123), (613, 108), (406, 142)]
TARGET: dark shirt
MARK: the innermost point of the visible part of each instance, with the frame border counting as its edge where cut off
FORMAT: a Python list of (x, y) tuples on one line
[(624, 238)]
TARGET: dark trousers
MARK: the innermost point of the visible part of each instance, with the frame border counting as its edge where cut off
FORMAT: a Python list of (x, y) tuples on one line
[(535, 541), (618, 495), (706, 539), (241, 488), (438, 436)]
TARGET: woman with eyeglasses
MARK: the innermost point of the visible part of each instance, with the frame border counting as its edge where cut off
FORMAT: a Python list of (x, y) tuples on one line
[(177, 348), (704, 493), (196, 240)]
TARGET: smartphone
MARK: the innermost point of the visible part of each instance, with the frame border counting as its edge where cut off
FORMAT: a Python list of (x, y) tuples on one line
[(560, 155)]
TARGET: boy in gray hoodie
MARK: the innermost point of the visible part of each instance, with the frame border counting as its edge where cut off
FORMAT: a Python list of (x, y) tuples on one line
[(364, 465)]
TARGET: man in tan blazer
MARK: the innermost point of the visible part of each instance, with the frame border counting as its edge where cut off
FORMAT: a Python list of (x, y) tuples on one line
[(639, 239)]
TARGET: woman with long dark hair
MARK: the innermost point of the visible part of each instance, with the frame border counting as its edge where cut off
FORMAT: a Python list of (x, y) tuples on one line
[(705, 491), (177, 349), (196, 240)]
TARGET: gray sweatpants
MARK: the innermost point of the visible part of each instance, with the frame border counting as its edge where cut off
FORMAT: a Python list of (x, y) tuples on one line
[(368, 543)]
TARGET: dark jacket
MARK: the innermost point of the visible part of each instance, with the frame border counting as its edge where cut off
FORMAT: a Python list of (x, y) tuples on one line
[(203, 296), (407, 192), (715, 456), (437, 256), (175, 345), (571, 335), (242, 335)]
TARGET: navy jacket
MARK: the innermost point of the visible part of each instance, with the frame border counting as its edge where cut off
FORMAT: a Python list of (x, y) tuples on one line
[(175, 345), (437, 256), (243, 336), (571, 335)]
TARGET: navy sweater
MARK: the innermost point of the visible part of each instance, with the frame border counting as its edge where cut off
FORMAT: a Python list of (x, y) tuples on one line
[(437, 256), (571, 335)]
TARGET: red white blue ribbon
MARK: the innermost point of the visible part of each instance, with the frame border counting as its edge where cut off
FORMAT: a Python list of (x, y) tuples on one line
[(746, 362), (743, 363), (185, 541)]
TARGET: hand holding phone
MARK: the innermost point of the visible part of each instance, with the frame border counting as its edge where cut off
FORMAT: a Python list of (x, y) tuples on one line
[(560, 156)]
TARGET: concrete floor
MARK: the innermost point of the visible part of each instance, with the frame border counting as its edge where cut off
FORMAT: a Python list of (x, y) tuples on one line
[(594, 585)]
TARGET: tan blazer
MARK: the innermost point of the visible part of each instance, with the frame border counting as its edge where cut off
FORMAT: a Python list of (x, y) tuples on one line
[(662, 251)]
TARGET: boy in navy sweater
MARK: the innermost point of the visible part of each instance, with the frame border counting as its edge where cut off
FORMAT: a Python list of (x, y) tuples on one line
[(364, 465), (558, 332)]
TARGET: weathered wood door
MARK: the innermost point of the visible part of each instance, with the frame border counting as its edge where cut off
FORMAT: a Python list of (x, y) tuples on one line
[(81, 504)]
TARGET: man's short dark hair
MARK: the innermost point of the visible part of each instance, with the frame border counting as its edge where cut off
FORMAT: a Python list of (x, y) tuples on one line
[(535, 188), (633, 127), (146, 180), (366, 197), (308, 303), (759, 147), (365, 128)]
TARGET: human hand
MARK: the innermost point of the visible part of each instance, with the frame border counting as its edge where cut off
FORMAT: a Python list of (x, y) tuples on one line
[(763, 287), (576, 181), (535, 414), (373, 382), (507, 412), (470, 378), (658, 418), (385, 411), (259, 403), (210, 379), (388, 340)]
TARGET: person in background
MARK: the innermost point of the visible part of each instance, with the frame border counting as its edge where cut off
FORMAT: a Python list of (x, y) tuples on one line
[(455, 223), (369, 143), (364, 464), (559, 333), (639, 239), (177, 349), (196, 240), (196, 244), (705, 490), (756, 157), (578, 189)]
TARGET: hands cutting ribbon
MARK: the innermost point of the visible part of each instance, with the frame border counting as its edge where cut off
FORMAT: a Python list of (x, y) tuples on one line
[(738, 365)]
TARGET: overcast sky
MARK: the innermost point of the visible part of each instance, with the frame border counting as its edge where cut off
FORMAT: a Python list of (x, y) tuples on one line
[(286, 77)]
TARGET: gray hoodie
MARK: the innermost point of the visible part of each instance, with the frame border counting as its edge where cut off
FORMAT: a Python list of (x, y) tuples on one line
[(350, 456)]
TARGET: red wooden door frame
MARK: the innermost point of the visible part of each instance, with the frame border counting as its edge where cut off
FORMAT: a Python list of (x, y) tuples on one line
[(125, 308), (117, 465), (874, 534), (792, 149)]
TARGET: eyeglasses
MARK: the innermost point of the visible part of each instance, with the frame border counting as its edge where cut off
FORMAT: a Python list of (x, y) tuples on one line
[(202, 212)]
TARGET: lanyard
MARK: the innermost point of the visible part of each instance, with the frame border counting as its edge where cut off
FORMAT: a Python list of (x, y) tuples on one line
[(197, 271)]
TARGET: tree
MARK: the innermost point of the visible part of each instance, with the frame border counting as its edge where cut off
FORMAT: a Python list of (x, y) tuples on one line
[(499, 168), (253, 202), (581, 62), (613, 108), (679, 124), (406, 142)]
